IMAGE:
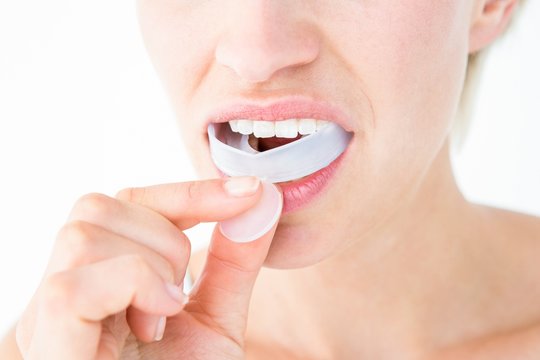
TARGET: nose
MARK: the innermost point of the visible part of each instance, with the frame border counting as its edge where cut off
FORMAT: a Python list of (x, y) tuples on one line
[(263, 38)]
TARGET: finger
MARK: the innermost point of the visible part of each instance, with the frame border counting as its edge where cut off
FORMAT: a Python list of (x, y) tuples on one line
[(80, 243), (136, 222), (146, 327), (189, 203), (227, 279), (74, 303)]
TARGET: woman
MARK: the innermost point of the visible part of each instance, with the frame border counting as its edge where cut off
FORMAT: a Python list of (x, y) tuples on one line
[(378, 256)]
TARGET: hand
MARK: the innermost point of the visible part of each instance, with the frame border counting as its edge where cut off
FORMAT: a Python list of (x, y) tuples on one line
[(115, 276)]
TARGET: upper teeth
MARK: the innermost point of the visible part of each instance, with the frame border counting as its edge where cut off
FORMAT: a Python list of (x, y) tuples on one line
[(283, 128)]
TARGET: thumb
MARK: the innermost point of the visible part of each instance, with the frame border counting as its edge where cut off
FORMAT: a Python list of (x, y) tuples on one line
[(236, 253), (255, 223)]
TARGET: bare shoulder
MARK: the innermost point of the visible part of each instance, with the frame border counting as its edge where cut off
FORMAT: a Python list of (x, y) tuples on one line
[(517, 233), (517, 260), (514, 223)]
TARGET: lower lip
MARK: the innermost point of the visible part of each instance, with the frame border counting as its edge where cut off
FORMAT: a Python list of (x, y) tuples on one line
[(298, 194)]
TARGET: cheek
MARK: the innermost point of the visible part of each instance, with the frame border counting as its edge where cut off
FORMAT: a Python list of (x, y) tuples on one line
[(410, 61), (418, 65), (177, 37), (179, 44), (409, 65), (199, 155)]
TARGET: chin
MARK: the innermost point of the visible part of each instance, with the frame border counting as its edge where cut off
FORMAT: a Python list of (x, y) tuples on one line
[(298, 246)]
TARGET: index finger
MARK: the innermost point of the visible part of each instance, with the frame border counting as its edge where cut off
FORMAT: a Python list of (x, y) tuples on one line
[(188, 203)]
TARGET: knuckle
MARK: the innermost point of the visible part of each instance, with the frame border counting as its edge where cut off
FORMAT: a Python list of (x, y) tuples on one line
[(180, 247), (24, 328), (132, 194), (93, 207), (184, 251), (193, 190), (169, 271), (137, 267), (22, 335), (233, 265), (140, 272), (76, 240), (178, 254), (56, 292)]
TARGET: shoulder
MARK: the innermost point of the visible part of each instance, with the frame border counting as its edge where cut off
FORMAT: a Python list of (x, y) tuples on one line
[(518, 238), (515, 251), (513, 239), (512, 222), (517, 234)]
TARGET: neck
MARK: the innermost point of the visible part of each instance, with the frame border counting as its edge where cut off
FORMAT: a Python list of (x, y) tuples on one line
[(398, 287)]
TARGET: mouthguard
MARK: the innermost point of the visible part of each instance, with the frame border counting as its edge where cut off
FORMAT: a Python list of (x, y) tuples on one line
[(234, 156)]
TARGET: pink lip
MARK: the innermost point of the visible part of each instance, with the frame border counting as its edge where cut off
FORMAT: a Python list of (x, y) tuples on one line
[(296, 194), (299, 193), (294, 107)]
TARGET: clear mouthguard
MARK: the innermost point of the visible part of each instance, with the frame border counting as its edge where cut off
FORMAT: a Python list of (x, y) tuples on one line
[(234, 156)]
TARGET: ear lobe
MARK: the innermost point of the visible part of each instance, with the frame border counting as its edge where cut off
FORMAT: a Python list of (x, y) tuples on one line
[(490, 22)]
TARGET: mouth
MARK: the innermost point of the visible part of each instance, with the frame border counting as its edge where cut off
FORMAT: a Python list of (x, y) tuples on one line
[(298, 153), (267, 135), (263, 135)]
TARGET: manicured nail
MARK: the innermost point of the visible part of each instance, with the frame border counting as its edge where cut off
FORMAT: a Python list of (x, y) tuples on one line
[(240, 186), (256, 221), (175, 292), (160, 329)]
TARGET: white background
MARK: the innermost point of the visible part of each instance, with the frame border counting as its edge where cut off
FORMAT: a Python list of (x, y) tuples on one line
[(81, 111)]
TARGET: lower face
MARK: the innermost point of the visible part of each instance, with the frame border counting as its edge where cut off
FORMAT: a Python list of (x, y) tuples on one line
[(396, 68)]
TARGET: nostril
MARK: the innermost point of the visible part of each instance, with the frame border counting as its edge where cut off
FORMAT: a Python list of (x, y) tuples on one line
[(253, 62), (256, 47)]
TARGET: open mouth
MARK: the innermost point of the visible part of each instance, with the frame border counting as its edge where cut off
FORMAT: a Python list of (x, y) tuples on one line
[(276, 151), (267, 135)]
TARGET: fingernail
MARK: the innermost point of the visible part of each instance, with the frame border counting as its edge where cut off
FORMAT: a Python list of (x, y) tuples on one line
[(160, 329), (258, 220), (175, 292), (240, 186)]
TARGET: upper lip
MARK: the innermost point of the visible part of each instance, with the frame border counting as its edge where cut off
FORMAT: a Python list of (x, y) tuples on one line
[(295, 107)]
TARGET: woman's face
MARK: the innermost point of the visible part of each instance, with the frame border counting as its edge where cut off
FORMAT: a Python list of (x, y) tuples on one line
[(395, 68)]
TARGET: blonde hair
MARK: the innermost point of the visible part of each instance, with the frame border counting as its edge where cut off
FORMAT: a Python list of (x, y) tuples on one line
[(473, 77)]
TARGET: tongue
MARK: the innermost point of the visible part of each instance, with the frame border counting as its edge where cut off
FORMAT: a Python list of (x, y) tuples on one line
[(274, 142)]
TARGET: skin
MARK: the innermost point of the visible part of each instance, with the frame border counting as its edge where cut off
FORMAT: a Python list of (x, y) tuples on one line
[(391, 262)]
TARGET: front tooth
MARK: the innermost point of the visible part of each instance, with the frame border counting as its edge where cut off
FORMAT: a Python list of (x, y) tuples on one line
[(263, 129), (321, 124), (234, 125), (307, 126), (287, 128), (245, 127)]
